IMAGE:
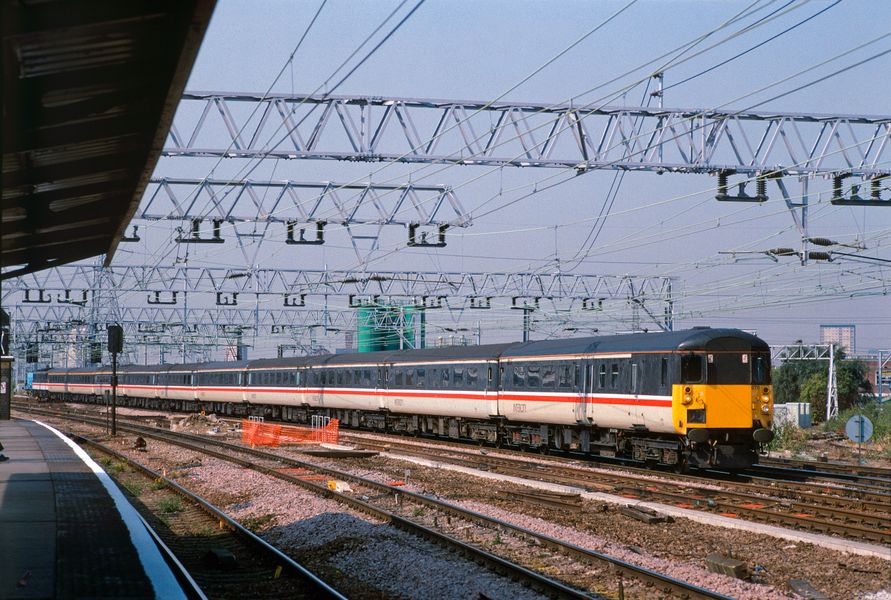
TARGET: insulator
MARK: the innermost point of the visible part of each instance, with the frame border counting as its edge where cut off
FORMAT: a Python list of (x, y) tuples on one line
[(761, 187), (876, 188), (722, 183), (837, 187), (819, 256), (821, 241), (783, 252)]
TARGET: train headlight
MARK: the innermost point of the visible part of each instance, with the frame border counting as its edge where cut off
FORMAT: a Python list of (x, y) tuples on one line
[(688, 396), (765, 408), (765, 398)]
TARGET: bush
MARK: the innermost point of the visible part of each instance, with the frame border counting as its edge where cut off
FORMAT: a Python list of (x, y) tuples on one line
[(789, 437)]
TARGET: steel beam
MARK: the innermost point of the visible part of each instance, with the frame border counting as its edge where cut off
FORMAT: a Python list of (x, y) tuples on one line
[(682, 140), (286, 201), (166, 285)]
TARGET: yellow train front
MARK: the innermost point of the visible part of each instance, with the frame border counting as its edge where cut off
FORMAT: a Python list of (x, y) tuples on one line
[(723, 401)]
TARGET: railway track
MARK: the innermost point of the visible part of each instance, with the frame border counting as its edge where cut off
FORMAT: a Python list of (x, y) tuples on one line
[(223, 558), (880, 473), (392, 504), (866, 519)]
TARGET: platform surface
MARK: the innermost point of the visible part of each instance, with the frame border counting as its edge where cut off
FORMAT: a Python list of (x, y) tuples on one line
[(62, 534)]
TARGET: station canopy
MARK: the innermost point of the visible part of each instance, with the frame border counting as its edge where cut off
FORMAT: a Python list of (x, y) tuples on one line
[(90, 88)]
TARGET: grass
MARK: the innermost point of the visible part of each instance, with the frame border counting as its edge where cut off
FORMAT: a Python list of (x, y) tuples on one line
[(258, 523), (159, 484), (135, 489), (170, 505), (418, 512), (879, 445)]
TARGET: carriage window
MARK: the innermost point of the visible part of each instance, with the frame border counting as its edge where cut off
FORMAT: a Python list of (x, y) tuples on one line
[(548, 376), (601, 378), (422, 377), (563, 376), (446, 373), (663, 378), (473, 375), (519, 376), (409, 377), (366, 377), (459, 377), (614, 376), (691, 369), (533, 376)]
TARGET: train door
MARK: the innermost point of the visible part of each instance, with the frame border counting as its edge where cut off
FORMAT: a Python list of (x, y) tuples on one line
[(493, 385), (586, 388), (383, 384)]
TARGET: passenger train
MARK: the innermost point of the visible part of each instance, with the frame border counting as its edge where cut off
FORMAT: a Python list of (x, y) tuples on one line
[(700, 397)]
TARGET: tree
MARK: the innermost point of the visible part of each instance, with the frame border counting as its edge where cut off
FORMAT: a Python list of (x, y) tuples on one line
[(813, 390), (851, 379), (807, 381), (788, 379)]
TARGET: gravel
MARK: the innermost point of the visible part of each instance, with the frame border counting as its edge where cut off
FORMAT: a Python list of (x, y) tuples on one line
[(365, 554)]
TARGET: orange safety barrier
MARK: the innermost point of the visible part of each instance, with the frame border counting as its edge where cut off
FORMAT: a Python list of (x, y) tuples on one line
[(255, 433)]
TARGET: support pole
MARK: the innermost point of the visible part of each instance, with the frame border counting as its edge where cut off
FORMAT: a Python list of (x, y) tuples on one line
[(114, 393), (831, 387)]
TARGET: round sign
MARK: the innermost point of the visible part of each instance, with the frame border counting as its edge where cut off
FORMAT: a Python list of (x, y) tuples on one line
[(858, 428)]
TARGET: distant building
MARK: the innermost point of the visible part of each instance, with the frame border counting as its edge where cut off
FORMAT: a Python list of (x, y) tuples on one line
[(841, 335)]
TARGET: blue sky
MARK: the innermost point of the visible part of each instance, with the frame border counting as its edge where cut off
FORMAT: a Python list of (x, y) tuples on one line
[(478, 50)]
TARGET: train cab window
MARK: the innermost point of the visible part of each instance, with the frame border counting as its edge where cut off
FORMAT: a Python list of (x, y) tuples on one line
[(691, 369), (548, 376), (614, 376), (472, 376), (729, 368), (760, 369), (663, 376), (601, 377), (519, 376)]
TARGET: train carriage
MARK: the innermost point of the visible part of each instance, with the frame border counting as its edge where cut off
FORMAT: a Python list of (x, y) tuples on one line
[(696, 397)]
